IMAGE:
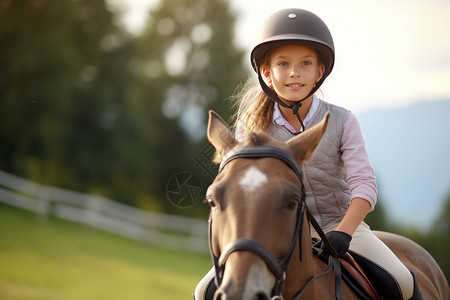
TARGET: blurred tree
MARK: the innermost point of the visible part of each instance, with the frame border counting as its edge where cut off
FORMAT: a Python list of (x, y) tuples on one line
[(378, 219), (84, 106), (187, 65), (65, 80), (39, 66), (438, 240)]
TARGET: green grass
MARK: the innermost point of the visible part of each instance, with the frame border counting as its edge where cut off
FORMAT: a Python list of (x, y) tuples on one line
[(54, 259)]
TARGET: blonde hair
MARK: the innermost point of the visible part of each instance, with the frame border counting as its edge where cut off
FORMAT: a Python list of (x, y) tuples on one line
[(254, 107)]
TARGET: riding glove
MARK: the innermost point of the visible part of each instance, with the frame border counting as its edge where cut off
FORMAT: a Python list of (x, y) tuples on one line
[(339, 240)]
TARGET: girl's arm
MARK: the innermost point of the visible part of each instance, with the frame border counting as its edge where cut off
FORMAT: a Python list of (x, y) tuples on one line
[(355, 214), (359, 174)]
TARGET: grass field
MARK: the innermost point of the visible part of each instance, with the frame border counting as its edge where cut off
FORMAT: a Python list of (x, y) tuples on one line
[(54, 259)]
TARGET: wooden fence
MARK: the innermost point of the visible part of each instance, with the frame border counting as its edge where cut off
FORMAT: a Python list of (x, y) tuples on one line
[(167, 231)]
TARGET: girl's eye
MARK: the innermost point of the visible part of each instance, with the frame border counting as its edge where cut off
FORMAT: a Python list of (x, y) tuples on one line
[(283, 64), (307, 63)]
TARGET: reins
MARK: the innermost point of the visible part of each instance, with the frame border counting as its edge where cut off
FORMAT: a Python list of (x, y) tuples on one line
[(278, 268)]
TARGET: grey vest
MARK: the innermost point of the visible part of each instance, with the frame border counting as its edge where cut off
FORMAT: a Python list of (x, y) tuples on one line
[(327, 191)]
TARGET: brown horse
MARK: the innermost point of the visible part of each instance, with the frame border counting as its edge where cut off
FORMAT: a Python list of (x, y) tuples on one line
[(257, 213)]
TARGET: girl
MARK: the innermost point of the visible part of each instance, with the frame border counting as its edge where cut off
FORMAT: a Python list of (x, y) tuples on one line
[(294, 56)]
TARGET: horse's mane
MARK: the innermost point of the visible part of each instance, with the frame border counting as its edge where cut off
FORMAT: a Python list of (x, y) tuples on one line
[(250, 139)]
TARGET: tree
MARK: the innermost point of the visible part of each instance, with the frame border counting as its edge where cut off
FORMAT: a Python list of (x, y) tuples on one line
[(39, 66), (378, 219), (84, 106), (66, 119), (187, 64), (438, 241)]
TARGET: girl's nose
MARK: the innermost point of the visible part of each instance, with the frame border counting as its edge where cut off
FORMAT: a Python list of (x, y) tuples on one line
[(294, 72)]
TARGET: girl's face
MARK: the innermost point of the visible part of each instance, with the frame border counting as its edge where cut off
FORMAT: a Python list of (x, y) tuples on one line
[(292, 71)]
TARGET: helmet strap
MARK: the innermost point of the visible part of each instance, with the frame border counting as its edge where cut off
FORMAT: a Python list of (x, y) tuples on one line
[(295, 109), (274, 97)]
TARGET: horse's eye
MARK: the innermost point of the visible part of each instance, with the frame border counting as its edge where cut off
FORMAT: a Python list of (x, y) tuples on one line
[(211, 203), (292, 204)]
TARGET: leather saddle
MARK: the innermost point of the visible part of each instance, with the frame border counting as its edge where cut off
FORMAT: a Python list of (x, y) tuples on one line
[(357, 278), (354, 275)]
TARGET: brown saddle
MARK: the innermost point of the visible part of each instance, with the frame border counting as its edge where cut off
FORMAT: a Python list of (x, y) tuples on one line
[(353, 274), (357, 278)]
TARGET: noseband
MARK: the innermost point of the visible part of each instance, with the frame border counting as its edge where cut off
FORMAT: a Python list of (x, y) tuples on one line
[(280, 267)]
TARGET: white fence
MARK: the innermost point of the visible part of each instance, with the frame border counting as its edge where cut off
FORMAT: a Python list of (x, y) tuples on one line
[(168, 231)]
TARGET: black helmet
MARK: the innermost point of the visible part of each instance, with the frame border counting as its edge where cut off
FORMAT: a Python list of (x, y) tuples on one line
[(295, 26), (289, 27)]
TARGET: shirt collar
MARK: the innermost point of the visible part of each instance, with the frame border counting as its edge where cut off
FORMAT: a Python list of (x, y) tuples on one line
[(280, 120)]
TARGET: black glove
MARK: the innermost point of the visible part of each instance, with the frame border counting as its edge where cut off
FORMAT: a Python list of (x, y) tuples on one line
[(339, 240)]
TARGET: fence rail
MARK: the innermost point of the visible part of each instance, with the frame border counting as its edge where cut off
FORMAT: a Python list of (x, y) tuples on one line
[(164, 230)]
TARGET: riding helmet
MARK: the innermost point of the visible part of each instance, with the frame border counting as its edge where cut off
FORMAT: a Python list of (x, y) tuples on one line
[(295, 26)]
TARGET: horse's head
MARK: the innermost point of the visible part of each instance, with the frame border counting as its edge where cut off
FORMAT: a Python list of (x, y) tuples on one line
[(254, 207)]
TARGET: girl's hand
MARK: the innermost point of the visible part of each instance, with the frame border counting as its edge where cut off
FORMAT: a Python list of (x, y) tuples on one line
[(339, 240)]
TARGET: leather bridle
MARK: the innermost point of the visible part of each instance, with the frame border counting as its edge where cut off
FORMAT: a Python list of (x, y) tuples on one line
[(280, 267)]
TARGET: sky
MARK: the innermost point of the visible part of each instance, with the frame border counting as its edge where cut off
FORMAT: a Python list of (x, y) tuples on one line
[(388, 53)]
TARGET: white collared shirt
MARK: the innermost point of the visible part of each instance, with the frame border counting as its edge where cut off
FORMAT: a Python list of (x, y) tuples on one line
[(280, 120)]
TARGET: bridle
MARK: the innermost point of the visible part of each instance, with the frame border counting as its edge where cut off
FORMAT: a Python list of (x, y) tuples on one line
[(280, 267)]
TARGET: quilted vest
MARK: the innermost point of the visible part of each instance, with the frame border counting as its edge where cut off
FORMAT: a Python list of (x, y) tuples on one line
[(327, 192)]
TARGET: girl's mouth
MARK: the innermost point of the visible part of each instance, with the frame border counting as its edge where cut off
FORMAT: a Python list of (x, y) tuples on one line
[(295, 85)]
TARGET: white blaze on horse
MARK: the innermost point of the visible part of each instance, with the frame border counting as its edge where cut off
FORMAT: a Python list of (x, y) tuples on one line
[(257, 212)]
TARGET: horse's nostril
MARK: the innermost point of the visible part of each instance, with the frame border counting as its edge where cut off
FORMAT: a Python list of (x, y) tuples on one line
[(262, 296), (218, 296)]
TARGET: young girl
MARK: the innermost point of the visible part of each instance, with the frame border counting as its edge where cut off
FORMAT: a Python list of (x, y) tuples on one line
[(294, 56)]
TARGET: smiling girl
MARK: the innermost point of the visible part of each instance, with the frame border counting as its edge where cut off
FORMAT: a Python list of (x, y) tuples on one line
[(292, 72), (294, 55)]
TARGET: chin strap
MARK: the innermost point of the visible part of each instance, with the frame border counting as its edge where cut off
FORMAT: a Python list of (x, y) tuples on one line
[(274, 97), (295, 109)]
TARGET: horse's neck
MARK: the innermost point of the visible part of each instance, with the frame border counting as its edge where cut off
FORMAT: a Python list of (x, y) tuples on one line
[(302, 270)]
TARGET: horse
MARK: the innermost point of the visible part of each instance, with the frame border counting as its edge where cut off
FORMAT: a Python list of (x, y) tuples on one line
[(260, 244)]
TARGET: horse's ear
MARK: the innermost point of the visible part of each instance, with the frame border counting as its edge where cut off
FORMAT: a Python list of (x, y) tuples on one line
[(304, 144), (219, 134)]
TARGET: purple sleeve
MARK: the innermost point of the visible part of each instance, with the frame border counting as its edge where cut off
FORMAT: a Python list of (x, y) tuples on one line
[(240, 131), (360, 174)]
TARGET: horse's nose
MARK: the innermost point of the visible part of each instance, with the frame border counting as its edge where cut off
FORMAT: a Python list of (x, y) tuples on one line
[(262, 296), (219, 295)]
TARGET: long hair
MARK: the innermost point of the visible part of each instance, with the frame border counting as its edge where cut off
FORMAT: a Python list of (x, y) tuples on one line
[(254, 108)]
